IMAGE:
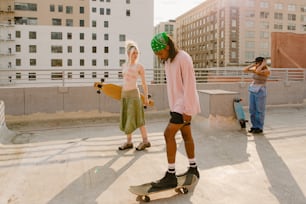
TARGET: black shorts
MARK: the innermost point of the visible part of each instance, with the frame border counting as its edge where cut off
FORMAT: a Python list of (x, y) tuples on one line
[(176, 118)]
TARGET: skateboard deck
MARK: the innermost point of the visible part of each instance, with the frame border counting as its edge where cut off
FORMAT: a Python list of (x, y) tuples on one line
[(144, 191), (240, 113), (114, 91)]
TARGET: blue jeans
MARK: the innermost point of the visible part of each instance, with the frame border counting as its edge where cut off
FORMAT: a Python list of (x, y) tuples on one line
[(257, 107)]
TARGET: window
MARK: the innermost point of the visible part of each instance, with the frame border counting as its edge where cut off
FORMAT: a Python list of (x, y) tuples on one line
[(17, 34), (18, 62), (25, 6), (82, 36), (291, 17), (69, 49), (105, 49), (94, 49), (291, 7), (94, 62), (101, 11), (106, 62), (52, 8), (264, 14), (82, 10), (32, 35), (121, 37), (291, 27), (69, 75), (128, 1), (56, 62), (105, 24), (106, 74), (82, 23), (93, 10), (264, 4), (32, 76), (278, 16), (82, 49), (108, 11), (82, 75), (56, 35), (105, 36), (264, 35), (69, 22), (69, 36), (278, 6), (56, 21), (94, 74), (60, 8), (121, 50), (94, 36), (278, 26), (69, 62), (17, 48), (56, 49), (18, 75), (69, 9), (57, 75), (32, 48), (32, 62), (82, 62), (128, 12)]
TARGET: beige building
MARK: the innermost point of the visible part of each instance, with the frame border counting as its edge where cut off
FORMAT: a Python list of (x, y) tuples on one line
[(221, 33), (72, 34)]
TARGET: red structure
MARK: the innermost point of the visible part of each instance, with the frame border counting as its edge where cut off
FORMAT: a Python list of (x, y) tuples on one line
[(288, 50)]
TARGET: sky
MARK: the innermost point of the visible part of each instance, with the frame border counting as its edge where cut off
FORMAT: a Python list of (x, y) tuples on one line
[(165, 10)]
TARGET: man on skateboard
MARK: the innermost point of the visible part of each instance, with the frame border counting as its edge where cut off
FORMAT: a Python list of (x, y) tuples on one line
[(183, 101)]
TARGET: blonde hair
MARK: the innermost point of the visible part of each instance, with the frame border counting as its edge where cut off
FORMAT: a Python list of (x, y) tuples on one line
[(130, 47)]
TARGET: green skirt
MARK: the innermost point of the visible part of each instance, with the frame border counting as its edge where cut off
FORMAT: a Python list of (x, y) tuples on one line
[(132, 112)]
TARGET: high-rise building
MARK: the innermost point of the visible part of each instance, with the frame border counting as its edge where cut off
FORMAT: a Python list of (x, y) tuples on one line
[(221, 33), (72, 34)]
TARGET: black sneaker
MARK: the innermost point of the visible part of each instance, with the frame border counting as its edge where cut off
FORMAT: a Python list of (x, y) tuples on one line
[(191, 170), (252, 130), (168, 181), (257, 131)]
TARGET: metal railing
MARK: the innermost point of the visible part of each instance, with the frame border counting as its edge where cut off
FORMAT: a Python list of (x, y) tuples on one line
[(86, 77)]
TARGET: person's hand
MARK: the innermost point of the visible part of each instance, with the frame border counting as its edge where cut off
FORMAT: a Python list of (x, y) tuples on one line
[(186, 118)]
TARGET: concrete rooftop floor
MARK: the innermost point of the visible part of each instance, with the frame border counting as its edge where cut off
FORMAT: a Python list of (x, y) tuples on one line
[(75, 161)]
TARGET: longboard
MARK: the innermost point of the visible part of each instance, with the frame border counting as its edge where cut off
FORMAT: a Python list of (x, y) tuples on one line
[(240, 113), (114, 91), (144, 191)]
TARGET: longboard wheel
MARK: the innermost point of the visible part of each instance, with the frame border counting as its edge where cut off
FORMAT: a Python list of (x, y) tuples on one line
[(144, 198), (182, 190)]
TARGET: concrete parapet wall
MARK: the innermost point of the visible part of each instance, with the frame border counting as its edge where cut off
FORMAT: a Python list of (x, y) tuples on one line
[(25, 101)]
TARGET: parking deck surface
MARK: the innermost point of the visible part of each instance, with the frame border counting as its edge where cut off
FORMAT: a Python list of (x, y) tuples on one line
[(77, 162)]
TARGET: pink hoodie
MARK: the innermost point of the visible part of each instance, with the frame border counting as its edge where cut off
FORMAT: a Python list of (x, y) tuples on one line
[(181, 85)]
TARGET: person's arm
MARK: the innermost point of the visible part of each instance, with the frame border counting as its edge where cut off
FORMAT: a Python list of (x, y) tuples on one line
[(144, 84), (190, 89), (262, 69), (249, 68)]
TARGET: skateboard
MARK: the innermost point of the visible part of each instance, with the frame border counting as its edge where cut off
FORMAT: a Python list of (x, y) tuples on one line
[(240, 113), (114, 91), (144, 191)]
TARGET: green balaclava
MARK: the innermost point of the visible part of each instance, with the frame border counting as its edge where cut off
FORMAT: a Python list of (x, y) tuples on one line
[(159, 42)]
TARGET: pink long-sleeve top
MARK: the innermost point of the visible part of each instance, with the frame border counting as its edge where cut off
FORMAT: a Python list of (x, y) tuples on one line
[(181, 85)]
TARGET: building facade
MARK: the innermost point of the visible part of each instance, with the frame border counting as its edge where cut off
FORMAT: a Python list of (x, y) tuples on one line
[(72, 34), (221, 33)]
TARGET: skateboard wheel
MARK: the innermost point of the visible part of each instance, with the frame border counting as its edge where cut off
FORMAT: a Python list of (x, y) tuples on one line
[(144, 198)]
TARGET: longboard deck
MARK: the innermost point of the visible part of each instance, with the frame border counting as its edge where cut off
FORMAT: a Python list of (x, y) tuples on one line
[(239, 113), (114, 91), (146, 189)]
